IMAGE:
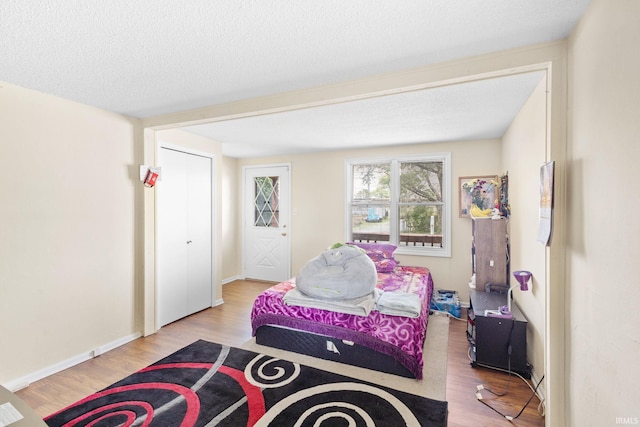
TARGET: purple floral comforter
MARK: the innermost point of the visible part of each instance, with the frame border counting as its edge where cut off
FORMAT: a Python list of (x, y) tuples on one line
[(399, 337)]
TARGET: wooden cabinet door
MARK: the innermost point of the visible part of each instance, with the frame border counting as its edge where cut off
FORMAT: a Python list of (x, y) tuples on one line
[(490, 249)]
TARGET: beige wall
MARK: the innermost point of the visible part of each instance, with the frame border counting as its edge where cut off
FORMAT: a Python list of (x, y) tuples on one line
[(523, 152), (68, 190), (603, 290), (317, 195), (231, 220)]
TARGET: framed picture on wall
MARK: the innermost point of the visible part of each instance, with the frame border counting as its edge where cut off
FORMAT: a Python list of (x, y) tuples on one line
[(481, 191)]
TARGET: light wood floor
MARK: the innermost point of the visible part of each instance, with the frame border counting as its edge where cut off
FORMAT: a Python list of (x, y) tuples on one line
[(229, 324)]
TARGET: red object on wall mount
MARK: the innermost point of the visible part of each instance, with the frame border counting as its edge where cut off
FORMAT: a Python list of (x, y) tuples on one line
[(150, 178)]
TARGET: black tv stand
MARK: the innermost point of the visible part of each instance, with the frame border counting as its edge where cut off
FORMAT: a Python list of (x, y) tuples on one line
[(490, 337)]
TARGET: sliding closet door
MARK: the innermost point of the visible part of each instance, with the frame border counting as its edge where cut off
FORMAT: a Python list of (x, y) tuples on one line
[(199, 235), (185, 283)]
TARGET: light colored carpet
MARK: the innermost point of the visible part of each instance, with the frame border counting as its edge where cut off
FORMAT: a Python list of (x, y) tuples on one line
[(434, 382)]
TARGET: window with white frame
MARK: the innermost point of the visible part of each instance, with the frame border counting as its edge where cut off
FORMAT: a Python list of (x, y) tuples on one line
[(405, 201)]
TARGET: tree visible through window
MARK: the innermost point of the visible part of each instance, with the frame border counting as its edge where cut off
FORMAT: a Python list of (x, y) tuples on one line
[(401, 201)]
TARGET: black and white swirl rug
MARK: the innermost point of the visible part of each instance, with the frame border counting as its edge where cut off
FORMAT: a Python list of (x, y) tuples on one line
[(207, 384)]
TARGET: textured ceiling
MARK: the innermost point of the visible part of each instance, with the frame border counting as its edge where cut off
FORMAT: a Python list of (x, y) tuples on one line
[(478, 110), (149, 57)]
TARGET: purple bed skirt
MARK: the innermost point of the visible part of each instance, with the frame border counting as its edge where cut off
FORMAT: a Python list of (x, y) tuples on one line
[(401, 338)]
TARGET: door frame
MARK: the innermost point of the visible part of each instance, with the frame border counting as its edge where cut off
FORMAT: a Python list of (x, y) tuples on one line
[(160, 144), (243, 207)]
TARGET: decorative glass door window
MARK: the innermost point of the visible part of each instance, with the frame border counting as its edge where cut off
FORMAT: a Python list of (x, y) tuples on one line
[(266, 201)]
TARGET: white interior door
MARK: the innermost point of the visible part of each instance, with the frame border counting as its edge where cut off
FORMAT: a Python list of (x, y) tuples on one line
[(266, 243), (199, 234), (185, 277)]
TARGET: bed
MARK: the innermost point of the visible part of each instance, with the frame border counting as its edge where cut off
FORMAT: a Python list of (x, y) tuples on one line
[(379, 341)]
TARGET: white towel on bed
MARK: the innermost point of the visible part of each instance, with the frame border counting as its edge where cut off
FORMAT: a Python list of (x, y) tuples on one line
[(361, 306), (399, 304)]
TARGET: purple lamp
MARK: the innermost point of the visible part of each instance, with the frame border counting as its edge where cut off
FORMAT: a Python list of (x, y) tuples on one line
[(522, 277), (505, 311)]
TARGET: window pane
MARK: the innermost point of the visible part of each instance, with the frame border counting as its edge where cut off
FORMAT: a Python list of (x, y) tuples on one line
[(402, 201), (266, 201), (421, 182), (370, 223), (371, 182), (420, 225)]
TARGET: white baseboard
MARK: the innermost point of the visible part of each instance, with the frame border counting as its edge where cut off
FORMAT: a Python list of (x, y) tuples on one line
[(541, 390), (23, 382), (231, 279)]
